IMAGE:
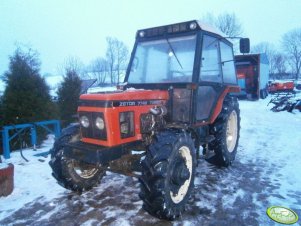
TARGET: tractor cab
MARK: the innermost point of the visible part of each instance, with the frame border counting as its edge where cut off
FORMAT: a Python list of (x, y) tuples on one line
[(191, 60)]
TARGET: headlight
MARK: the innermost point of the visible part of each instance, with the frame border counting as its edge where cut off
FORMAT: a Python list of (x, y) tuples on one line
[(141, 34), (99, 123), (84, 121), (192, 26)]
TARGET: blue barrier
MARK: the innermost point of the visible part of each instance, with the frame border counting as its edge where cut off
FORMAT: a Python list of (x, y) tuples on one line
[(33, 133)]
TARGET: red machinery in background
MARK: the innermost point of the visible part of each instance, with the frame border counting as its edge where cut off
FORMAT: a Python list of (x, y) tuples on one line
[(281, 86)]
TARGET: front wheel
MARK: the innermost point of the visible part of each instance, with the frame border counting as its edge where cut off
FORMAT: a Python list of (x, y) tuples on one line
[(70, 173), (168, 174)]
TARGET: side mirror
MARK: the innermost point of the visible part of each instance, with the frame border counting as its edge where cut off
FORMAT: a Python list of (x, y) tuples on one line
[(244, 45)]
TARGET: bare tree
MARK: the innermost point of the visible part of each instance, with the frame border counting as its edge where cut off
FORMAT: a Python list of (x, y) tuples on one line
[(292, 45), (117, 58), (227, 23), (280, 62), (100, 70), (73, 65)]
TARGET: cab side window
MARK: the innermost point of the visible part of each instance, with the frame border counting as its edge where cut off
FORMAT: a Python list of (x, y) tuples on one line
[(210, 63), (228, 69)]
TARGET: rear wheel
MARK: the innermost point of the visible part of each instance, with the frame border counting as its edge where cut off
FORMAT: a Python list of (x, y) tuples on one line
[(226, 132), (70, 173), (168, 174)]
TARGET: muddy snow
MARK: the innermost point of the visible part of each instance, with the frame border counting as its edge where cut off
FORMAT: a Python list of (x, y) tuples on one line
[(266, 172)]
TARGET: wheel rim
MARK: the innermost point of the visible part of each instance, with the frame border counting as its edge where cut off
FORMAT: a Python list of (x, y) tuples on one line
[(83, 170), (183, 189), (231, 134)]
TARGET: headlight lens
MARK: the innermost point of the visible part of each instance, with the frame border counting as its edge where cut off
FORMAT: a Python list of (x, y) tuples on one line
[(84, 121), (100, 124)]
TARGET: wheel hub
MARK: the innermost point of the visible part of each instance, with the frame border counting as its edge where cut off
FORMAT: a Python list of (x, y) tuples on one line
[(84, 170), (180, 175)]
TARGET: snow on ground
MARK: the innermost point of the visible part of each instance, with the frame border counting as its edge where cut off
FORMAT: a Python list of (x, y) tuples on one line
[(32, 180), (273, 140), (266, 172)]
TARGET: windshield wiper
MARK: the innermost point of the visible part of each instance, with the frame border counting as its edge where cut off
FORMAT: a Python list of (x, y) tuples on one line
[(170, 46)]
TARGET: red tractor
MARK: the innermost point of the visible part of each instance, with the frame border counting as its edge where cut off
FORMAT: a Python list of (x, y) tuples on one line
[(175, 103)]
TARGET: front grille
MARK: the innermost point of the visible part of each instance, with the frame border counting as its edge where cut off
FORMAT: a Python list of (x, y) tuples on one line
[(92, 131)]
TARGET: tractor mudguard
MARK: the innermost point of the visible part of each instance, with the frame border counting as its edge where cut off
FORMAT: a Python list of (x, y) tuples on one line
[(219, 104)]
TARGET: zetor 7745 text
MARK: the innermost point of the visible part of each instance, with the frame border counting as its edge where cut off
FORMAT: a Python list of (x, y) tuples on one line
[(176, 101)]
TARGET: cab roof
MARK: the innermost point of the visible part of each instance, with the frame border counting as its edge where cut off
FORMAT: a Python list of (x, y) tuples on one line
[(184, 27)]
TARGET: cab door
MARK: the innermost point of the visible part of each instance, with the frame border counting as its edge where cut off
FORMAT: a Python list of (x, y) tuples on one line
[(216, 72), (210, 78)]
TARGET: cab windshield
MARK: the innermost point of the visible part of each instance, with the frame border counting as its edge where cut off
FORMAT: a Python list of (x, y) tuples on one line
[(164, 60)]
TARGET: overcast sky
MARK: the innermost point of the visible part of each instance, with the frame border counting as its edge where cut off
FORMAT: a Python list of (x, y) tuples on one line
[(59, 29)]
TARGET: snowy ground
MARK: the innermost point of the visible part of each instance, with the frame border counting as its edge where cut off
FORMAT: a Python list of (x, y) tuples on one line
[(266, 172)]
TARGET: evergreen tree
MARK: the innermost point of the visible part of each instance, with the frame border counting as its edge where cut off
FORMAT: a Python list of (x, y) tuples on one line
[(26, 97), (68, 95)]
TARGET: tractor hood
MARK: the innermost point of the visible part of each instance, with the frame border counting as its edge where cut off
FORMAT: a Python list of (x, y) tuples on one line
[(124, 98), (118, 113)]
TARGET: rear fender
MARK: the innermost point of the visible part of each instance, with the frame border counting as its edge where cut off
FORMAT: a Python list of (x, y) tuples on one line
[(219, 104)]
